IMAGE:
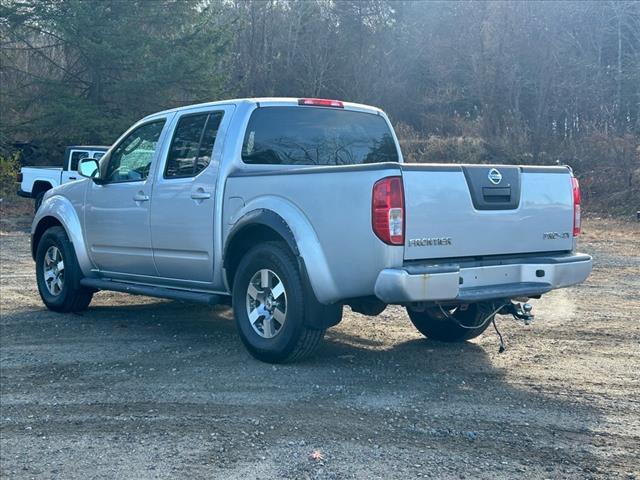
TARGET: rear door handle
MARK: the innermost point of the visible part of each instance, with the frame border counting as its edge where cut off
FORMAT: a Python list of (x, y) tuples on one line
[(141, 197), (72, 178), (200, 194)]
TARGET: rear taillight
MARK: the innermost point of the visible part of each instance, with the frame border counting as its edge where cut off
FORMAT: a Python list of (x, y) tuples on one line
[(19, 177), (387, 210), (576, 206), (320, 102)]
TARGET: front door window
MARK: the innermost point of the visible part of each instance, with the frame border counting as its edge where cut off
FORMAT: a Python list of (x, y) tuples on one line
[(131, 159)]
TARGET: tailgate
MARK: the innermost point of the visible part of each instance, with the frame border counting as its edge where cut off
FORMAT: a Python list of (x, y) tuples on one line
[(476, 210)]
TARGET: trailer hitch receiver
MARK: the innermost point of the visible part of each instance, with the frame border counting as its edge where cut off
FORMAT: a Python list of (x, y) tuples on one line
[(519, 311)]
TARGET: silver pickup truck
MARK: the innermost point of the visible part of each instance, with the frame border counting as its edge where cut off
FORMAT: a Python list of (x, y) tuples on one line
[(290, 209)]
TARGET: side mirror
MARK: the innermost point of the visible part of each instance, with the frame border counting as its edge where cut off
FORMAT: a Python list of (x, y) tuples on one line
[(90, 168)]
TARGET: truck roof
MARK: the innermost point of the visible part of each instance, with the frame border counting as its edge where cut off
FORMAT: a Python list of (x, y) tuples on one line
[(264, 101)]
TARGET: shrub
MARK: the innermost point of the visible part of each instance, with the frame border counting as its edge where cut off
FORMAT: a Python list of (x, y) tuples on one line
[(9, 168), (607, 165), (419, 148)]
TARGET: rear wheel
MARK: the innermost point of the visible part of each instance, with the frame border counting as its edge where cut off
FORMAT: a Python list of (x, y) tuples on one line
[(58, 273), (452, 324), (269, 306)]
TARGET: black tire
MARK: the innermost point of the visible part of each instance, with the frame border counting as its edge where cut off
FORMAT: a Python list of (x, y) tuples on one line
[(435, 324), (294, 339), (38, 202), (72, 297)]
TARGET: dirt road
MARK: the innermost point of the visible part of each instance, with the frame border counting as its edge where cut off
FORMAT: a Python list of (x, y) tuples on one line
[(142, 388)]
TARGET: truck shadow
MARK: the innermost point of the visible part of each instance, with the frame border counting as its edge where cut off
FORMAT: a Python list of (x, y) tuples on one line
[(198, 324)]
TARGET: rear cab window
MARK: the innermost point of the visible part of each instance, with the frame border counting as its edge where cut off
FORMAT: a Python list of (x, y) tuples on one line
[(76, 156), (317, 136)]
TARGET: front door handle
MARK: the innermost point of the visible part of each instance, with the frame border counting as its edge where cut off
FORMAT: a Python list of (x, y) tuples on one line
[(140, 197), (200, 194)]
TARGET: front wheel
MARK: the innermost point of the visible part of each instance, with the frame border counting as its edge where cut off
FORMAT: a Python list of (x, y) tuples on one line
[(269, 306), (58, 273), (452, 324)]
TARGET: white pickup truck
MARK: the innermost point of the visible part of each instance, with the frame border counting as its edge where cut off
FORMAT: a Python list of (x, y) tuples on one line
[(291, 208), (35, 181)]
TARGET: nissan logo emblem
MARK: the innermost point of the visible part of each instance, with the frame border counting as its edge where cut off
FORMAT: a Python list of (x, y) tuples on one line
[(495, 176)]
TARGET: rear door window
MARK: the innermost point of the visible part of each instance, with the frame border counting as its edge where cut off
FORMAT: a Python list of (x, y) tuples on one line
[(317, 136), (192, 144)]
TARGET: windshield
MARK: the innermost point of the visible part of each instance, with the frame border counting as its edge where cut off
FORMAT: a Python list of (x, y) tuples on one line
[(317, 136)]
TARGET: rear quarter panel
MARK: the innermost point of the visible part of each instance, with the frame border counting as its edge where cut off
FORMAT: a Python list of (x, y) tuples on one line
[(329, 212), (31, 175)]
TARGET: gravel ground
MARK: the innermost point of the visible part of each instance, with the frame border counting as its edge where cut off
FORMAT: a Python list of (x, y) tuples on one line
[(144, 388)]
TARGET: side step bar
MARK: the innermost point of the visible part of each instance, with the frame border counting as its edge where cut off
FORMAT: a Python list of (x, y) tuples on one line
[(172, 293)]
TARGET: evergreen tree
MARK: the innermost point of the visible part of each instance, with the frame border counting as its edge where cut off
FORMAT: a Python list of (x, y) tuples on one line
[(83, 71)]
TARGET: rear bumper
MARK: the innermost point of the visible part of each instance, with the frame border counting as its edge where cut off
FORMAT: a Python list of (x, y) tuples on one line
[(472, 281), (23, 194)]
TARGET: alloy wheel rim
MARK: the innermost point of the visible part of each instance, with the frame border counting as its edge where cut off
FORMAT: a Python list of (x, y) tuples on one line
[(266, 303), (53, 270)]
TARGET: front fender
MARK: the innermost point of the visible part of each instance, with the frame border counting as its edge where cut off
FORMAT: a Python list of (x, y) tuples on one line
[(306, 242), (63, 211)]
